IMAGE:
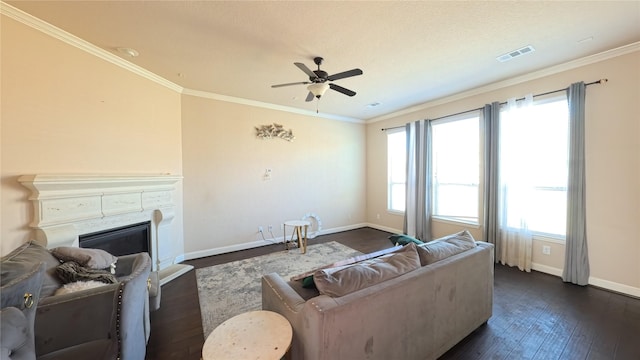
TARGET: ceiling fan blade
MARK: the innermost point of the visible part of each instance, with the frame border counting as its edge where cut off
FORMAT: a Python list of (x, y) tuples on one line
[(288, 84), (342, 90), (306, 70), (309, 97), (344, 74)]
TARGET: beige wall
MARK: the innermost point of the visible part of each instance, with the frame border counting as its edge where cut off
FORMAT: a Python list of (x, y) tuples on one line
[(225, 196), (66, 111), (612, 160)]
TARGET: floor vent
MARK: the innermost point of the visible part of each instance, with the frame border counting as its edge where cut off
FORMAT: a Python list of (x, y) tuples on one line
[(515, 53)]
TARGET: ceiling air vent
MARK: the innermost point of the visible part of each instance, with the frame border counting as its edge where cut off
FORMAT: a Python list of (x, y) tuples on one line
[(515, 53)]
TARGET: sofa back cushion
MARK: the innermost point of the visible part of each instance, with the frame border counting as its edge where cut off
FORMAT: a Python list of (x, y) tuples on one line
[(340, 281), (445, 247)]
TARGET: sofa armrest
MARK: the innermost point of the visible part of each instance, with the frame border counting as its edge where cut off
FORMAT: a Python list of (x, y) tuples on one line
[(129, 267), (278, 296), (134, 314), (14, 334), (84, 319), (305, 317)]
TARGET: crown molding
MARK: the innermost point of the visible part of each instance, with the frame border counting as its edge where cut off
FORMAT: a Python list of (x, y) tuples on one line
[(40, 25), (57, 33), (587, 60), (232, 99)]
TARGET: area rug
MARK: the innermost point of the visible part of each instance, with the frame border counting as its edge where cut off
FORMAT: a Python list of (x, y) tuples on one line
[(233, 288)]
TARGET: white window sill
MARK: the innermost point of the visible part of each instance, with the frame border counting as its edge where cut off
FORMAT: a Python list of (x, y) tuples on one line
[(451, 221), (549, 238)]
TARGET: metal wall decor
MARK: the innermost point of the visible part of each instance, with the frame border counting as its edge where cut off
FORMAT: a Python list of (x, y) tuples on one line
[(274, 130)]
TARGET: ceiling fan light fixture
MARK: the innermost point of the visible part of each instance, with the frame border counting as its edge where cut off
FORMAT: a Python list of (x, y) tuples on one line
[(318, 89)]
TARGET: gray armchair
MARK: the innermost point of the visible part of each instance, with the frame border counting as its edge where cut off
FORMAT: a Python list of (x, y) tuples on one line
[(107, 322)]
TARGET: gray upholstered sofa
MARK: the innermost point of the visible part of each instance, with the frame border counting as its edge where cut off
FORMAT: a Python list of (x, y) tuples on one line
[(417, 315), (106, 322)]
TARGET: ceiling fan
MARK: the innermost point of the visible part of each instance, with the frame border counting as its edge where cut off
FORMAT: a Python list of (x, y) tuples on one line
[(320, 80)]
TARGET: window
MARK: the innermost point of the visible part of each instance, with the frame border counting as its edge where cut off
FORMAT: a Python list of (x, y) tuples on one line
[(397, 164), (540, 139), (456, 167)]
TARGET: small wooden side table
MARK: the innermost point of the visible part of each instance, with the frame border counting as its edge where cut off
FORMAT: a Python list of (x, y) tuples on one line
[(297, 226), (259, 334)]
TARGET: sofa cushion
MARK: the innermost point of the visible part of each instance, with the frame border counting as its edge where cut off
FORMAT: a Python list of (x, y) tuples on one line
[(445, 247), (90, 258), (340, 281), (23, 259), (402, 239)]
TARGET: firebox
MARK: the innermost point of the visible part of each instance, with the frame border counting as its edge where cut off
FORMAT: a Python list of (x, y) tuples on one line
[(120, 241)]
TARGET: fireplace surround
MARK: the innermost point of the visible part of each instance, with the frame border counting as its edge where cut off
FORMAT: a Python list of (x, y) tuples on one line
[(66, 207)]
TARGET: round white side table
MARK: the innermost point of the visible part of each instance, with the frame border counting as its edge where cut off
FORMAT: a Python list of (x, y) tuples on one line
[(253, 335), (298, 226)]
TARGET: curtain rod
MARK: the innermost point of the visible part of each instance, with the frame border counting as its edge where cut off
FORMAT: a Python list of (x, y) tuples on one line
[(601, 81)]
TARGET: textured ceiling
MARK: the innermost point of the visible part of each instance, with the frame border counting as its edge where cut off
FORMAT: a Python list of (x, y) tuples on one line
[(410, 52)]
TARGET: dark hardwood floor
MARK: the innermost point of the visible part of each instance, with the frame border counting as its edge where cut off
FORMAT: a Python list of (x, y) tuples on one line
[(535, 316)]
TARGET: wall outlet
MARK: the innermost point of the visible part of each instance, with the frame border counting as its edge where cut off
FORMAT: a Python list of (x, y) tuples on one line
[(546, 249), (260, 229), (267, 175)]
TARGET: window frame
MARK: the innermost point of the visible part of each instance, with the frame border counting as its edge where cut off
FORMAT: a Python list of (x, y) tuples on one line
[(391, 183), (480, 194), (537, 101)]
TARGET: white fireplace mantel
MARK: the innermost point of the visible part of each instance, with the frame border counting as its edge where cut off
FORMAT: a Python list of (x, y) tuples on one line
[(67, 206)]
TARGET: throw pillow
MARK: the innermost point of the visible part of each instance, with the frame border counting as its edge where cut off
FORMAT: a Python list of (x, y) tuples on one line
[(340, 281), (402, 239), (445, 247), (308, 283), (90, 258), (23, 259)]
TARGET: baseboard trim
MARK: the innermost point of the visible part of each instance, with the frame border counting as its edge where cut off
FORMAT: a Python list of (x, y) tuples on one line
[(597, 282), (546, 269), (227, 249), (615, 287), (594, 281), (172, 272), (259, 243), (384, 228)]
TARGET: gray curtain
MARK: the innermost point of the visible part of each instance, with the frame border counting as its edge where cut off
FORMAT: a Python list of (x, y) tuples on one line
[(490, 143), (417, 215), (576, 259)]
